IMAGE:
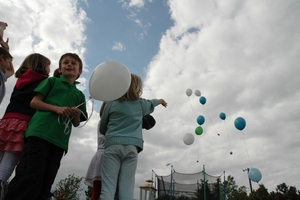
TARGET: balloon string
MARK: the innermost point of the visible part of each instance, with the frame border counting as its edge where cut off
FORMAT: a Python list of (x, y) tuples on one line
[(90, 98), (181, 158), (198, 149), (192, 106), (246, 148), (227, 135), (210, 120), (67, 120)]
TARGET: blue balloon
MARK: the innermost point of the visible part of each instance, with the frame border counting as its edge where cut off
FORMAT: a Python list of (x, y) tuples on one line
[(202, 100), (240, 123), (200, 120), (222, 116), (254, 174)]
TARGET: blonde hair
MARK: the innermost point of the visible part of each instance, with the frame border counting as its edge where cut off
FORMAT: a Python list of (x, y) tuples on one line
[(135, 89)]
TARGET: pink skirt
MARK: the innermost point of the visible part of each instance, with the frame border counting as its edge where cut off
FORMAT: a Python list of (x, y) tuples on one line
[(12, 131)]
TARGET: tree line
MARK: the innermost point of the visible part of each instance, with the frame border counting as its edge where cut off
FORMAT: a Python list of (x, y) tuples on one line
[(228, 190)]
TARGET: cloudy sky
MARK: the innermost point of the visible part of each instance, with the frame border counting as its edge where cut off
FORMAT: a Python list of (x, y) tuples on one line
[(242, 55)]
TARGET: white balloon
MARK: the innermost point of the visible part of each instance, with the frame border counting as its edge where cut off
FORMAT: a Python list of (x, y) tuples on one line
[(109, 81), (189, 92), (188, 138), (197, 93)]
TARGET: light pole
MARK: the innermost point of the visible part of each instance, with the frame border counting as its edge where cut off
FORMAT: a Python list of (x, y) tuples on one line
[(247, 169), (171, 190)]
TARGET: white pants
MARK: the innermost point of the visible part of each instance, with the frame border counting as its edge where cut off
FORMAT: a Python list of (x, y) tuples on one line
[(8, 162), (119, 167)]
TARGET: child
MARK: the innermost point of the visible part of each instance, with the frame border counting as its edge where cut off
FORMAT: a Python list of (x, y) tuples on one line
[(58, 102), (93, 175), (5, 66), (34, 69), (9, 71), (121, 123)]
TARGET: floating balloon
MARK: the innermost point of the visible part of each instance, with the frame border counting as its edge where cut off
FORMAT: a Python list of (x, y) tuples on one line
[(202, 100), (254, 174), (240, 123), (222, 116), (199, 130), (109, 81), (188, 139), (200, 120), (189, 92), (197, 93)]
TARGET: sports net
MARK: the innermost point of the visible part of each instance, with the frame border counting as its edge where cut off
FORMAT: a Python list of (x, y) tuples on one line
[(194, 186)]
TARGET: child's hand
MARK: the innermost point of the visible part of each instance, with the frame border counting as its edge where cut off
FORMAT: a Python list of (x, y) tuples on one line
[(4, 44), (76, 112), (64, 111), (162, 102)]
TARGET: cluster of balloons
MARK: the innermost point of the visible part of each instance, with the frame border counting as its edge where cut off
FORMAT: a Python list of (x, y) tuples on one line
[(189, 92), (189, 138), (239, 123), (109, 81)]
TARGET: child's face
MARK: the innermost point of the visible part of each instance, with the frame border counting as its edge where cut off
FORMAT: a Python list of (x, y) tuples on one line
[(5, 64), (70, 67)]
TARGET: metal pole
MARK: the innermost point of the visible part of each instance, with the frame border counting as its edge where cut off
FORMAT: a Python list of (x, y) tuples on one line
[(204, 183), (224, 190), (171, 191), (247, 169)]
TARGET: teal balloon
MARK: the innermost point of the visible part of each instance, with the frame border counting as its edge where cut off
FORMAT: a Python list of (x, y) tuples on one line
[(200, 120), (199, 130), (222, 116), (202, 100), (254, 175), (240, 123)]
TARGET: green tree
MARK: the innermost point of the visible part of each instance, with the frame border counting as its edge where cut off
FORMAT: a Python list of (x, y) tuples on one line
[(260, 194), (71, 186), (283, 191), (88, 193), (232, 191), (211, 189)]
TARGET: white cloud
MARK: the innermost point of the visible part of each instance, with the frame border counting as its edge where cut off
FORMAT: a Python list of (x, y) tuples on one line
[(118, 46), (242, 56)]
